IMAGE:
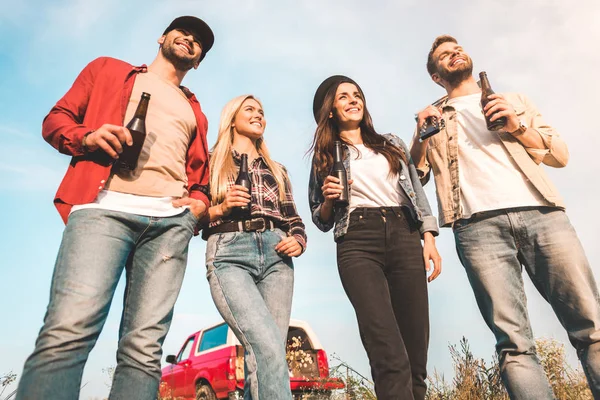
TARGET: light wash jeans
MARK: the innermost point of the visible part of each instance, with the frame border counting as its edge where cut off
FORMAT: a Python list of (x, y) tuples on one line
[(493, 247), (96, 246), (252, 288)]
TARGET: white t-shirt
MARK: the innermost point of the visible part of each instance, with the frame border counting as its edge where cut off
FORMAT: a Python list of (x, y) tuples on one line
[(372, 184), (133, 204), (489, 177)]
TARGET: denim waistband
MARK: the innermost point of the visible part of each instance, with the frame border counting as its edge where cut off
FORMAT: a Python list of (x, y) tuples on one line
[(402, 212), (492, 213)]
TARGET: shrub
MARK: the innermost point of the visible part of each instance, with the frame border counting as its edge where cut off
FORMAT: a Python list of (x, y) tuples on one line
[(476, 380)]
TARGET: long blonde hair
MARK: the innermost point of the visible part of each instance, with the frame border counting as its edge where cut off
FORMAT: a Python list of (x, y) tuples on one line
[(222, 166)]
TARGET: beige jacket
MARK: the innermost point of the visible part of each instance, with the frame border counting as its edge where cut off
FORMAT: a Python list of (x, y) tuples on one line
[(442, 157)]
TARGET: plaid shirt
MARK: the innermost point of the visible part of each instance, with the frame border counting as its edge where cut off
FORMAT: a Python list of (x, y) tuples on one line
[(265, 201)]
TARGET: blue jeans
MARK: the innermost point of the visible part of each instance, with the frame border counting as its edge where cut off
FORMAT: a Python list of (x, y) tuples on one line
[(96, 246), (493, 247), (252, 288)]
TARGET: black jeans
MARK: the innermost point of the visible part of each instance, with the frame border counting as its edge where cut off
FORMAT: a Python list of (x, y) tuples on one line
[(381, 267)]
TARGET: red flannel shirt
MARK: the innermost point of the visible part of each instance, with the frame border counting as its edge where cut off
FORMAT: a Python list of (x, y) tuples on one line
[(99, 96)]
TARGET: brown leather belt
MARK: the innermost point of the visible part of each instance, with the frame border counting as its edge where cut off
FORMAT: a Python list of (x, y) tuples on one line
[(247, 225)]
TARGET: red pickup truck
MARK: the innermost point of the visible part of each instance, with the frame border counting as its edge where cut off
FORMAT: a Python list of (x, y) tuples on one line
[(210, 366)]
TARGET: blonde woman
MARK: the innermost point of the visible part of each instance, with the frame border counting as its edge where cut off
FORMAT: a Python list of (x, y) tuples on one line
[(249, 265)]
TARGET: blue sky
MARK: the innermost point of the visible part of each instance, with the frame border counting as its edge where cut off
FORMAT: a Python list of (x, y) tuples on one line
[(281, 51)]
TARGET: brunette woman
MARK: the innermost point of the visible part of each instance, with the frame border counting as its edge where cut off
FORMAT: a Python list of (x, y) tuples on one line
[(248, 257), (381, 261)]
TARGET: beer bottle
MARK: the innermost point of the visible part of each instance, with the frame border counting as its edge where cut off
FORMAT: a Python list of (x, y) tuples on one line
[(486, 90), (243, 179), (339, 171), (128, 159)]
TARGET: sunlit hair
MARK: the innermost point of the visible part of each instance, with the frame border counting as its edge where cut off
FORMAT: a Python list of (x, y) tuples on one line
[(327, 132), (431, 67), (222, 165)]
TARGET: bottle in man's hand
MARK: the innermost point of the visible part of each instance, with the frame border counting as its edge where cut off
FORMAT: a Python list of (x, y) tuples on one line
[(128, 159)]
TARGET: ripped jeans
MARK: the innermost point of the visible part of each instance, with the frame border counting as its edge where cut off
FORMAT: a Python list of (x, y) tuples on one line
[(97, 246)]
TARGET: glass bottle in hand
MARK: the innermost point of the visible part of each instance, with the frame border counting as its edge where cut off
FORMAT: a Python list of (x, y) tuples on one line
[(339, 171), (243, 179), (486, 90), (128, 160)]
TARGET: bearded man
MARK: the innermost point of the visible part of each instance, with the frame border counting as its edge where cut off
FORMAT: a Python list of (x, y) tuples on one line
[(139, 220), (506, 214)]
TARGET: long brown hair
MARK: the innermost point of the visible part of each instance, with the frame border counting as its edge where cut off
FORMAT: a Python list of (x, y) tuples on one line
[(327, 132)]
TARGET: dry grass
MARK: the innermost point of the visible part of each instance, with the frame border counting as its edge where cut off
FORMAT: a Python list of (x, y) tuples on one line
[(7, 380), (476, 380)]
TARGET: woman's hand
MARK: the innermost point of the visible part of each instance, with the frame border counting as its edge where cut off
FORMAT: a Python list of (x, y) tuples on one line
[(236, 196), (289, 246), (332, 189), (430, 254)]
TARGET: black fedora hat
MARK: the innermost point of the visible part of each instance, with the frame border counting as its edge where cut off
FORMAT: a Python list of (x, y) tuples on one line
[(196, 27), (329, 83)]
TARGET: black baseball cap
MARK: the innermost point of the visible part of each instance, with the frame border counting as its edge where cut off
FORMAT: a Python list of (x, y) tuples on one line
[(329, 83), (196, 27)]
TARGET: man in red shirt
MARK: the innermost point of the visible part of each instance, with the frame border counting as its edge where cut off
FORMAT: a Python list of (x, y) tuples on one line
[(138, 220)]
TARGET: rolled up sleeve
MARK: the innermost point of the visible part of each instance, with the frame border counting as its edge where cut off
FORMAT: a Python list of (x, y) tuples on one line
[(556, 153)]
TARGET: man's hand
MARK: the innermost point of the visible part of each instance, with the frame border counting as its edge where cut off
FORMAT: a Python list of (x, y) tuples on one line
[(197, 207), (418, 147), (289, 247), (109, 138), (427, 112), (430, 254), (498, 107)]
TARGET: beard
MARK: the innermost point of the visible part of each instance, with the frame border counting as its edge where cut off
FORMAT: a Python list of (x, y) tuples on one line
[(455, 77), (180, 63)]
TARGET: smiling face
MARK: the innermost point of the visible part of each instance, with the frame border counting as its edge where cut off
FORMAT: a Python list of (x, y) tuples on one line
[(250, 120), (453, 65), (348, 105), (181, 48)]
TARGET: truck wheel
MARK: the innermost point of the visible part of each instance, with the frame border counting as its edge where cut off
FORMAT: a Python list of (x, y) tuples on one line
[(205, 392)]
